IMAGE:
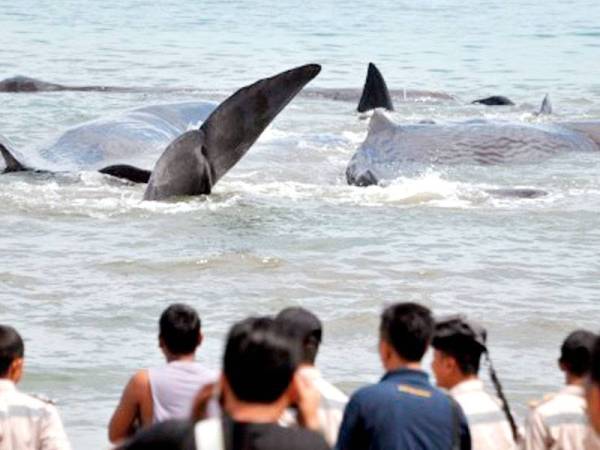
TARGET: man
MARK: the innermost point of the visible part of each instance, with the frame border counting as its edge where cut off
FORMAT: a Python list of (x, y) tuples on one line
[(26, 423), (458, 346), (403, 411), (257, 385), (166, 392), (592, 395), (305, 328), (559, 420)]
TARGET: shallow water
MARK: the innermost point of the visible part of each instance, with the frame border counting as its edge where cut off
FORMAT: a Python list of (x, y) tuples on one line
[(87, 267)]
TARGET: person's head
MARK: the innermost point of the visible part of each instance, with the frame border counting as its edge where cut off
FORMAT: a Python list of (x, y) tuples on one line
[(259, 361), (12, 352), (458, 345), (405, 332), (303, 327), (593, 388), (576, 354), (179, 330)]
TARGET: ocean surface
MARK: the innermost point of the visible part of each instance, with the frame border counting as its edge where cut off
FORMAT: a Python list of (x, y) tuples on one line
[(86, 267)]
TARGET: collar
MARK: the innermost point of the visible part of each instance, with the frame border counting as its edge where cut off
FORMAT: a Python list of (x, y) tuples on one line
[(310, 372), (474, 385), (7, 385), (573, 389), (406, 375)]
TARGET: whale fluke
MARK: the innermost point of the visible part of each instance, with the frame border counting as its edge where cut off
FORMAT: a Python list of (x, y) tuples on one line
[(196, 160), (12, 164), (375, 93), (127, 172), (494, 100), (546, 107)]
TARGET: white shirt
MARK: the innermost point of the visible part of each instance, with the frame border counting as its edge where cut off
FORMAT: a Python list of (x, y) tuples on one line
[(488, 424), (27, 423), (174, 388), (331, 408), (558, 422)]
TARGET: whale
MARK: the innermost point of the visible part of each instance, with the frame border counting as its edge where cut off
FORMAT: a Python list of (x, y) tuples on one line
[(391, 150), (376, 94), (179, 157), (23, 84)]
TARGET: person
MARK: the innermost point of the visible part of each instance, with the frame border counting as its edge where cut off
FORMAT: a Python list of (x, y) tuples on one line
[(559, 420), (26, 422), (306, 328), (458, 345), (403, 411), (157, 394), (592, 397), (259, 381)]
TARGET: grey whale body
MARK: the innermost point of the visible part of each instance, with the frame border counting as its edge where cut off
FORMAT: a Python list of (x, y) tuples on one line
[(389, 149)]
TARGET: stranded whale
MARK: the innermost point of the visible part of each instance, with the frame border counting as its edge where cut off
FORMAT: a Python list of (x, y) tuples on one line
[(193, 161), (391, 149)]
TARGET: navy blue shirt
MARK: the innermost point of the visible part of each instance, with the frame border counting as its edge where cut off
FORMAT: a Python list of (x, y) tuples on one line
[(401, 412)]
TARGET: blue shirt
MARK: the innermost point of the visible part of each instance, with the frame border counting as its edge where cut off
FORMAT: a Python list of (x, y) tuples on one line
[(401, 412)]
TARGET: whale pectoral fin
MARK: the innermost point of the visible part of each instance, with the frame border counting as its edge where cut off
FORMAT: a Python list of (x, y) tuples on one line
[(375, 92), (494, 100), (12, 164), (546, 107), (195, 161), (131, 173)]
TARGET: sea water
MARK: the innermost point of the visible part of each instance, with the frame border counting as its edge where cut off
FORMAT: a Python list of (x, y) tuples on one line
[(86, 267)]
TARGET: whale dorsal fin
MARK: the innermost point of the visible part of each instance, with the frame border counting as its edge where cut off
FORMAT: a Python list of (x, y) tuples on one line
[(225, 137), (375, 93), (12, 164), (546, 107)]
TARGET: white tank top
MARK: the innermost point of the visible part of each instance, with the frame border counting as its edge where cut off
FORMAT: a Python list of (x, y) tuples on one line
[(174, 388)]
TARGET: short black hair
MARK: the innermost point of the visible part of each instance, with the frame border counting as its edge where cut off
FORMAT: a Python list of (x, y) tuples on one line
[(408, 327), (179, 327), (576, 352), (11, 348), (303, 327), (260, 360)]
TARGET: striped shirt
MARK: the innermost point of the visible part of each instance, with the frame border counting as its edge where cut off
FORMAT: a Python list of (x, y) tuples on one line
[(487, 423), (27, 423), (558, 422)]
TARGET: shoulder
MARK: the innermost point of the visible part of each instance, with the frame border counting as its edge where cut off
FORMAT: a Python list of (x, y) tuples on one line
[(33, 404), (139, 384)]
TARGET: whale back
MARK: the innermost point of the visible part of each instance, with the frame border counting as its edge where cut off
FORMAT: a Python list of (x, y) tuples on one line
[(136, 137)]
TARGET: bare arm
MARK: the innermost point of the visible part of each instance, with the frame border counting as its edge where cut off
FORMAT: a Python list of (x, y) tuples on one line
[(131, 408)]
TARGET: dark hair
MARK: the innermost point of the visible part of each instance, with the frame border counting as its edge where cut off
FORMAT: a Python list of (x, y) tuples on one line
[(465, 352), (260, 360), (576, 352), (304, 328), (11, 348), (408, 327), (179, 327)]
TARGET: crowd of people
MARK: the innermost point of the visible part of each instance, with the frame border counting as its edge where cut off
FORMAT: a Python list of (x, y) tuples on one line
[(270, 394)]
